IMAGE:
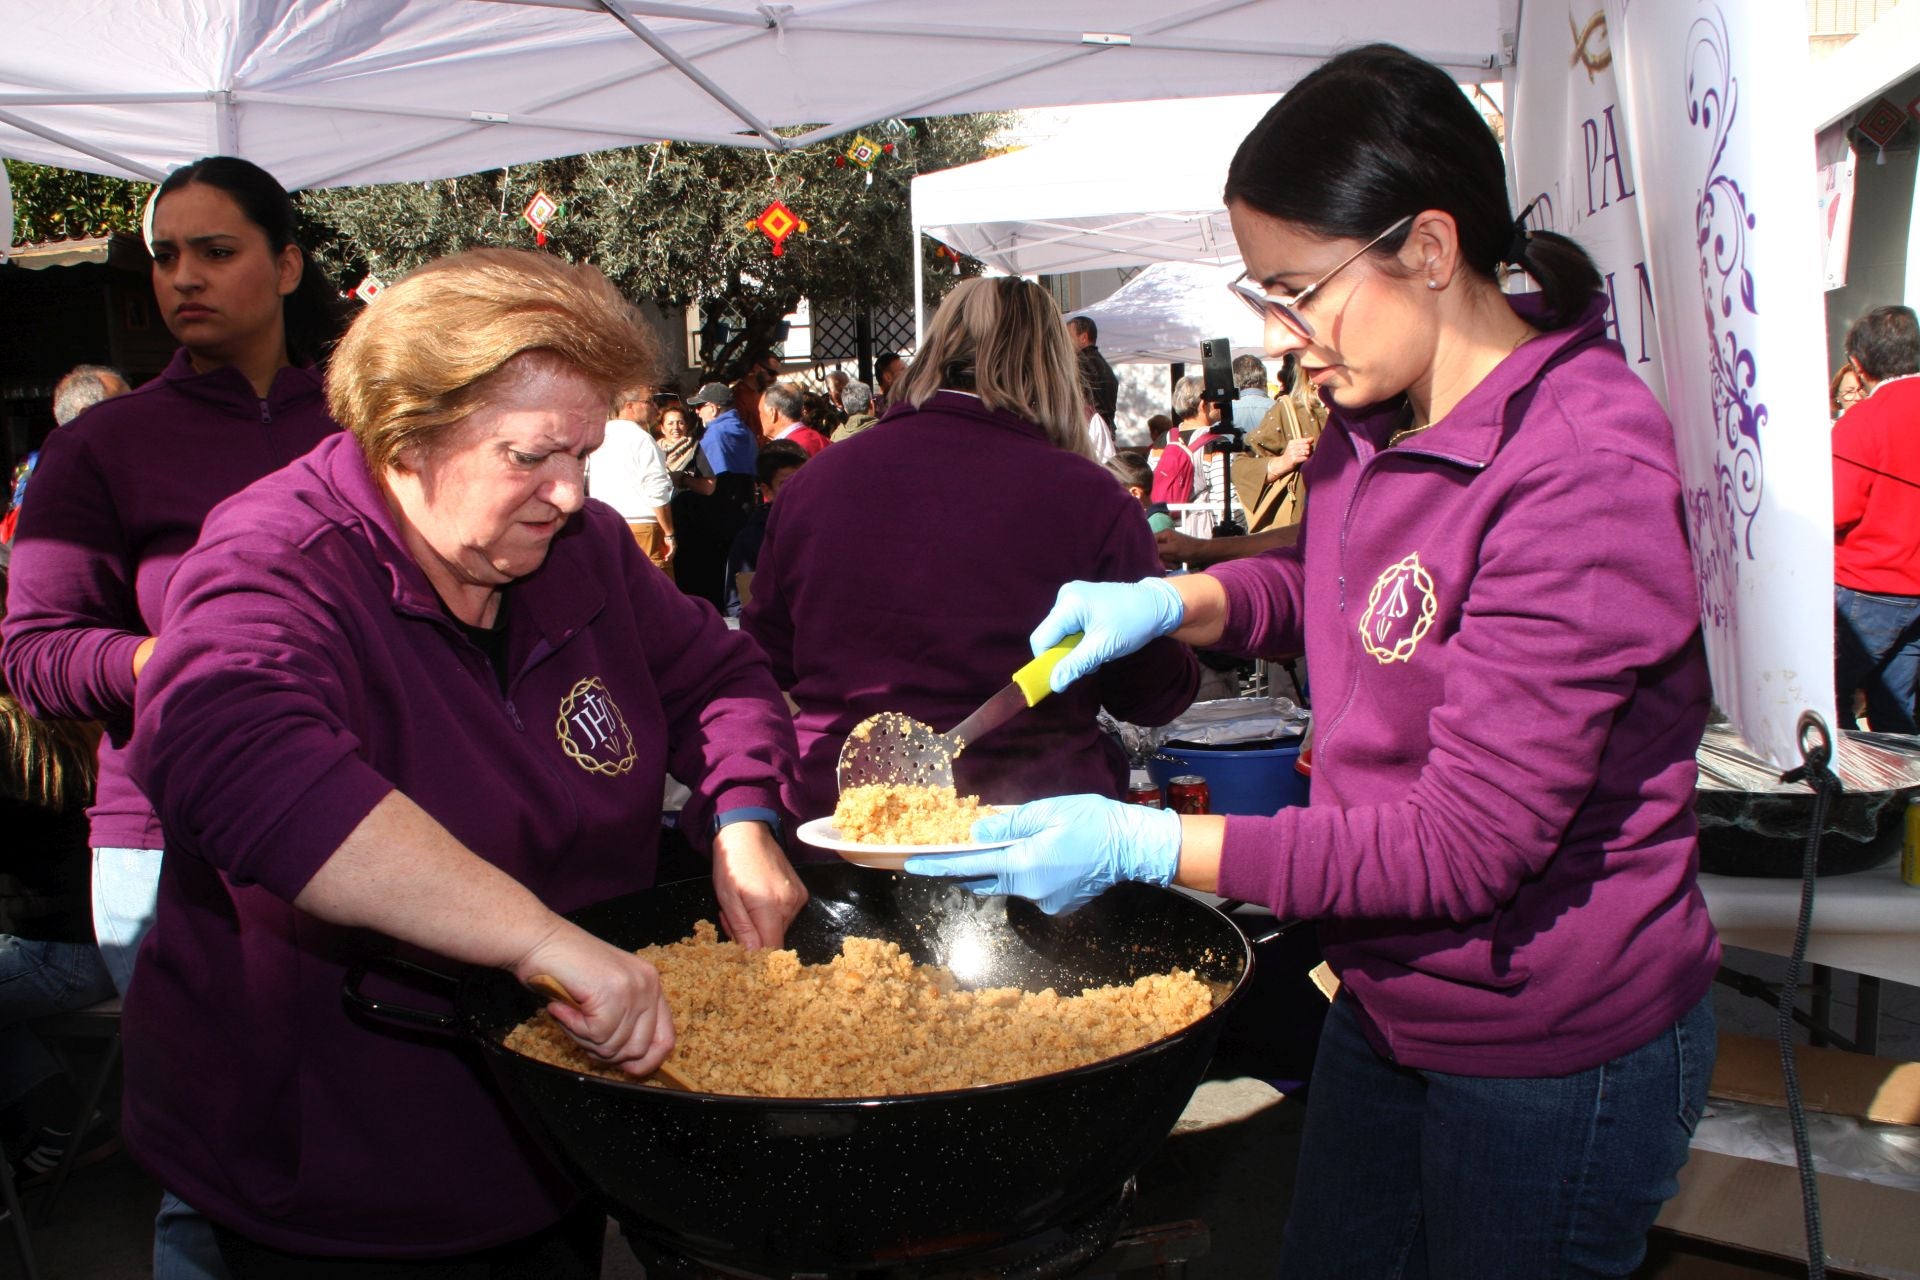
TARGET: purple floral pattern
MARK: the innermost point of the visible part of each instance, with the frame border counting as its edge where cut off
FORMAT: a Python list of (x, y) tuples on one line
[(1721, 515)]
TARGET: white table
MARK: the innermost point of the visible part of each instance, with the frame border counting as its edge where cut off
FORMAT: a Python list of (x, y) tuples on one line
[(1868, 922)]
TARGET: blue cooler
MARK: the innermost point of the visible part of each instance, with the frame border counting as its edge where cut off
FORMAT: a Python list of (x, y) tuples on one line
[(1257, 778)]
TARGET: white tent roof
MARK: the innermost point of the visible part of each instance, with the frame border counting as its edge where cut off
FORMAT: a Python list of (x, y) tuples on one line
[(1143, 188), (1166, 312), (1865, 67), (328, 92)]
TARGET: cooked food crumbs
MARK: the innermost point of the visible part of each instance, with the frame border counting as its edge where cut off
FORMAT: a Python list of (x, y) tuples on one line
[(889, 813), (871, 1023)]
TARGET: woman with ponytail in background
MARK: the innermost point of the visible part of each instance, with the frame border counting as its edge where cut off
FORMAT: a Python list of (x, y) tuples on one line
[(1494, 593), (120, 495)]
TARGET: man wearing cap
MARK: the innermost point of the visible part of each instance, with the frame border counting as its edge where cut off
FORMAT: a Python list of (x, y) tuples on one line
[(731, 451)]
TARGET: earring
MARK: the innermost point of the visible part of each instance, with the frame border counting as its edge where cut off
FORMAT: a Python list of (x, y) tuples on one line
[(1432, 283)]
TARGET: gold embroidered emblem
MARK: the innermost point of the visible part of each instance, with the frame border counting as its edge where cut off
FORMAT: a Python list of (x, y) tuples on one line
[(592, 731), (1399, 611)]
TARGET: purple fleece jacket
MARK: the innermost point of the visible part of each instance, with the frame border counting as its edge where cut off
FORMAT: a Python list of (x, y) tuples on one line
[(1509, 686), (117, 499), (305, 669), (904, 569)]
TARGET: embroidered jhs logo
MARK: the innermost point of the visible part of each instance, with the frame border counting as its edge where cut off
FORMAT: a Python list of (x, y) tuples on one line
[(1400, 609), (592, 731)]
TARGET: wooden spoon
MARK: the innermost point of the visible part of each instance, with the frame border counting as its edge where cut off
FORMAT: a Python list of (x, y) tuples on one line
[(549, 987)]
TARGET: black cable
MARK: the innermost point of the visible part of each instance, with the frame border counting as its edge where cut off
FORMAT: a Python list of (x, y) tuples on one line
[(1854, 462), (1816, 750)]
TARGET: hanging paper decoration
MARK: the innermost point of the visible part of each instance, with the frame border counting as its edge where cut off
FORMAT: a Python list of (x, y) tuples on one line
[(1878, 125), (370, 288), (539, 212), (776, 222), (941, 251)]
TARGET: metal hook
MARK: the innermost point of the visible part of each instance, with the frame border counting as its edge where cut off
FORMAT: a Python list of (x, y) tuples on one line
[(1816, 741)]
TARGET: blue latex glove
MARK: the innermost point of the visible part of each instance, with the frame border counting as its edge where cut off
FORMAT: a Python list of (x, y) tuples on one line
[(1118, 618), (1067, 851)]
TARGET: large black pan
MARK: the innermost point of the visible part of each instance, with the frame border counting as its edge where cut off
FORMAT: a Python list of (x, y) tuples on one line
[(784, 1185)]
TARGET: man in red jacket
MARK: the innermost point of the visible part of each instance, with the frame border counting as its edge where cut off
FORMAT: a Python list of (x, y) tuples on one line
[(1876, 524)]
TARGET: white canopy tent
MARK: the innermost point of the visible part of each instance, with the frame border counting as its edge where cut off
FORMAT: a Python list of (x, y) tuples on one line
[(1162, 315), (1143, 188), (333, 92)]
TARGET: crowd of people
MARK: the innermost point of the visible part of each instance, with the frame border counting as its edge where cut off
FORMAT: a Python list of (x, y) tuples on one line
[(393, 633)]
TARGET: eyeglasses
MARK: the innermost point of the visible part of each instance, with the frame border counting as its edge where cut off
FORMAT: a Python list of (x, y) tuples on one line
[(1287, 310)]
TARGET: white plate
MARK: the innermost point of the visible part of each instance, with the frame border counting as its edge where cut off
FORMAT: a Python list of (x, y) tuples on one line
[(822, 834)]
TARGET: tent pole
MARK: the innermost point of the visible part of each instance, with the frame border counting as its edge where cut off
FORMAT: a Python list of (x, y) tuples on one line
[(120, 162), (919, 292), (693, 73), (370, 161), (921, 103)]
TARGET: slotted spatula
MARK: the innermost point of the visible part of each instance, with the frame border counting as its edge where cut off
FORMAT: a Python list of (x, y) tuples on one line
[(894, 748)]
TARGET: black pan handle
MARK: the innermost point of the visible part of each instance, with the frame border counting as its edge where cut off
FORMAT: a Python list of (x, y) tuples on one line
[(1230, 905), (395, 967)]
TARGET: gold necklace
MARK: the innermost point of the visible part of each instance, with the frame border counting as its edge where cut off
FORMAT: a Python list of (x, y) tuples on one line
[(1526, 336)]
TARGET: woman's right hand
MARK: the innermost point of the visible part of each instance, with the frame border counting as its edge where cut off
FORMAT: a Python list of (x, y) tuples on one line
[(1116, 619), (141, 654), (619, 1012)]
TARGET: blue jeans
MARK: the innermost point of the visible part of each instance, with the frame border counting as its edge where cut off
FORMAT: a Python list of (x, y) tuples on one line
[(36, 979), (1876, 647), (1421, 1175)]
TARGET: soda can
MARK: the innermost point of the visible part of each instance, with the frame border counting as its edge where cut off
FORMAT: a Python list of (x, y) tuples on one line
[(1188, 794), (1142, 789), (1910, 849)]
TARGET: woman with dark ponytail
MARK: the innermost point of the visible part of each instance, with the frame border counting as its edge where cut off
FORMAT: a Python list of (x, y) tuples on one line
[(1494, 593), (119, 497)]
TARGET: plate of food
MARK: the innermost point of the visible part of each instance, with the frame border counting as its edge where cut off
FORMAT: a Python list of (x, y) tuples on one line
[(882, 825)]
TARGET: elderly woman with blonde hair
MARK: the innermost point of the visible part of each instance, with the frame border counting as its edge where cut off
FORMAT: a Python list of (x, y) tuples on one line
[(904, 570), (415, 692)]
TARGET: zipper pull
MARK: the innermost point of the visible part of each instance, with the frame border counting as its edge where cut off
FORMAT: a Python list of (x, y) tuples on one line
[(1343, 593), (514, 715), (266, 414)]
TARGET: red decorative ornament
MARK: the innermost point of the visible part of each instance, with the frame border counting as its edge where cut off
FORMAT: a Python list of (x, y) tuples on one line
[(539, 212), (776, 222), (1881, 122)]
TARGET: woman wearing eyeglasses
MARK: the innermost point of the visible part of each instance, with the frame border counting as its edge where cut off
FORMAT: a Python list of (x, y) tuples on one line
[(1494, 592)]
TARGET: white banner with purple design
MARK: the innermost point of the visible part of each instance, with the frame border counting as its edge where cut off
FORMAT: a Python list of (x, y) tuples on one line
[(1724, 163), (1567, 140)]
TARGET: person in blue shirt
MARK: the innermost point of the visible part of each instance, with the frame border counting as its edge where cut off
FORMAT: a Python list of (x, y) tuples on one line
[(731, 451)]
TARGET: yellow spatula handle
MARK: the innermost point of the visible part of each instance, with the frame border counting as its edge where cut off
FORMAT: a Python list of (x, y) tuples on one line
[(1032, 678)]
